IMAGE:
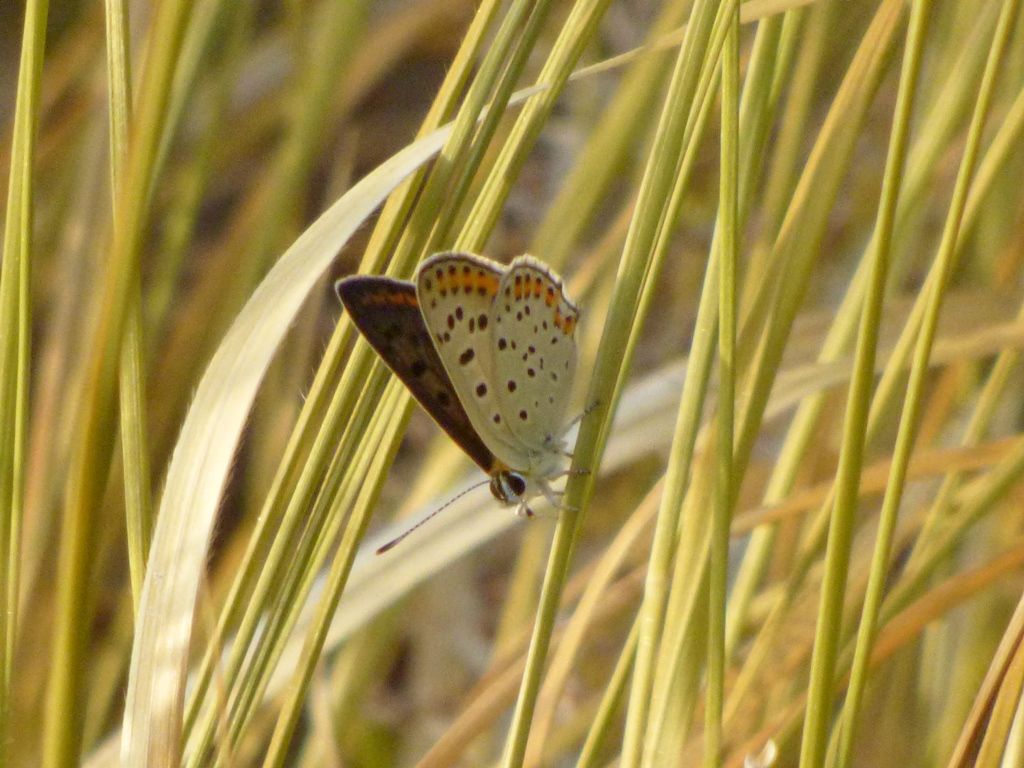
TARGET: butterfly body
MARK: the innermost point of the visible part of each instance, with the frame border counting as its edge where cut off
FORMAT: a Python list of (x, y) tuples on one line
[(489, 351)]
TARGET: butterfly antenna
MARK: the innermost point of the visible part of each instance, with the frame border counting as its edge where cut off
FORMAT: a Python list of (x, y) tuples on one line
[(394, 542)]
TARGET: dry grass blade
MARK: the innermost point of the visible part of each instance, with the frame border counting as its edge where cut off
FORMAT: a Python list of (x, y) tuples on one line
[(204, 453)]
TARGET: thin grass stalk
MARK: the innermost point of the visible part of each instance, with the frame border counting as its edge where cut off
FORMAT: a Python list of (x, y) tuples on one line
[(1007, 137), (696, 378), (804, 225), (682, 655), (472, 158), (841, 521), (493, 76), (524, 582), (974, 501), (893, 376), (325, 47), (55, 351), (393, 402), (334, 32), (390, 225), (92, 443), (189, 183), (667, 534), (605, 154), (980, 421), (1001, 718), (249, 590), (131, 374), (811, 26), (771, 60), (980, 497), (760, 546), (317, 545), (207, 19), (965, 752), (15, 322), (860, 392), (754, 118), (576, 33), (797, 244), (276, 583), (581, 622), (491, 697), (725, 486), (684, 80), (611, 701), (829, 158), (612, 362)]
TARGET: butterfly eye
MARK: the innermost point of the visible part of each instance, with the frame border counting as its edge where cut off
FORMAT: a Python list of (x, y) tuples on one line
[(508, 486)]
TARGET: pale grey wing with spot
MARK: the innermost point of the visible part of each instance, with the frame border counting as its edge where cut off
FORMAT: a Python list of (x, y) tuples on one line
[(455, 292), (534, 327)]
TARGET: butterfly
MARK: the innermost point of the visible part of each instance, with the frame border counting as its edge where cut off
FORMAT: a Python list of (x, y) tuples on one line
[(489, 352)]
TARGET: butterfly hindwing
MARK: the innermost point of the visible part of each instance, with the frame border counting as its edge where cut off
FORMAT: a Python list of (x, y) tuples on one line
[(387, 313), (534, 352)]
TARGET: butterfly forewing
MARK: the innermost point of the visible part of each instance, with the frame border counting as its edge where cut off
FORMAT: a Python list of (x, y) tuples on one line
[(534, 352), (387, 313), (456, 291)]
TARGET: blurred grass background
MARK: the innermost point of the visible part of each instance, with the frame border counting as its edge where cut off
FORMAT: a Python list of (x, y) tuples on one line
[(172, 600)]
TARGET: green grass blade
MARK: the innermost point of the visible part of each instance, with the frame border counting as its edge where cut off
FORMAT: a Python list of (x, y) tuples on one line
[(860, 388), (725, 481), (15, 362)]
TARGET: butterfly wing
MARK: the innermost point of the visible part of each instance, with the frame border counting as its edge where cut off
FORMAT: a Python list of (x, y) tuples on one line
[(534, 352), (456, 291), (388, 315)]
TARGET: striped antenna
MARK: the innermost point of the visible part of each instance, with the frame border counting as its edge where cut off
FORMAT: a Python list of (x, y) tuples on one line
[(391, 544)]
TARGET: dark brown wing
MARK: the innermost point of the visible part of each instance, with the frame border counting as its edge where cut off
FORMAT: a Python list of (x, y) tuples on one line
[(388, 315)]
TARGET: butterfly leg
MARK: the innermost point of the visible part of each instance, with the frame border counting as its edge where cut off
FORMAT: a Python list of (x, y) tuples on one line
[(554, 497), (570, 473), (586, 412)]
